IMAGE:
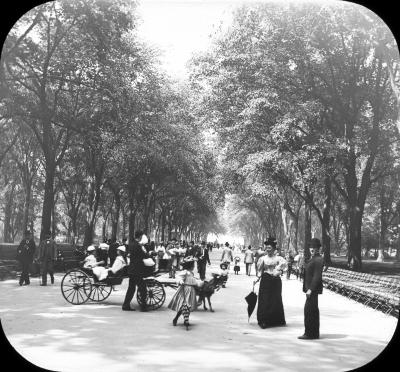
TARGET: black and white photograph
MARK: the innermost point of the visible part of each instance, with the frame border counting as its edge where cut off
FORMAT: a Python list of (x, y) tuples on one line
[(199, 185)]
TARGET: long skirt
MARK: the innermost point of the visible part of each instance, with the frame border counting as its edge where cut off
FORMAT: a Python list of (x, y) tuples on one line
[(182, 293), (270, 306)]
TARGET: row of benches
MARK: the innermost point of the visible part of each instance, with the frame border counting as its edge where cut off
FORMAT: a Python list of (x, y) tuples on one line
[(379, 292)]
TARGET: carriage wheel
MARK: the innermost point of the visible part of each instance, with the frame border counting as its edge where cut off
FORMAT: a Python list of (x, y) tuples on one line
[(100, 291), (76, 287), (154, 297)]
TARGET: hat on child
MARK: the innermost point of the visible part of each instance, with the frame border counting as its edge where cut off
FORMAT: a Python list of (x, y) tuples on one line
[(223, 265), (121, 248)]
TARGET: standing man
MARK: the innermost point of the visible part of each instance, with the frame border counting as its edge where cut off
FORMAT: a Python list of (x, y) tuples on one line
[(25, 252), (312, 286), (202, 259), (300, 265), (47, 255), (248, 260), (136, 271), (112, 250), (227, 256), (103, 252), (289, 261), (190, 251)]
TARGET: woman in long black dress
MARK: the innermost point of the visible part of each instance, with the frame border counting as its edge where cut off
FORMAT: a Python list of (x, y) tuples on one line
[(270, 307)]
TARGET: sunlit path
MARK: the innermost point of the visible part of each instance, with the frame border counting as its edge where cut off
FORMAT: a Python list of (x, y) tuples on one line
[(102, 335)]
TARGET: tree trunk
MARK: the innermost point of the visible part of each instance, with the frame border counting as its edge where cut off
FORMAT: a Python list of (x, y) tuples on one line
[(27, 204), (355, 260), (115, 215), (326, 239), (383, 222), (48, 199), (92, 211), (307, 230), (131, 217), (9, 197)]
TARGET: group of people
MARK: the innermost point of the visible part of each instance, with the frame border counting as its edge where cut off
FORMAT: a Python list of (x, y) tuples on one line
[(270, 312), (45, 256), (170, 256), (293, 265), (112, 258)]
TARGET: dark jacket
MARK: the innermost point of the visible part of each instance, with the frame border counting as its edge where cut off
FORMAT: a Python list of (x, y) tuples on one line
[(112, 250), (26, 250), (313, 274), (190, 251), (202, 257), (47, 250), (136, 266)]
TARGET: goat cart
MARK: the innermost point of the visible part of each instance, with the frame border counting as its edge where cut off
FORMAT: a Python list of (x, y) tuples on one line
[(81, 285)]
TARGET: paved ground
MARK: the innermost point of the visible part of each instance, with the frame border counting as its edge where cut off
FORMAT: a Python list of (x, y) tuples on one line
[(55, 335)]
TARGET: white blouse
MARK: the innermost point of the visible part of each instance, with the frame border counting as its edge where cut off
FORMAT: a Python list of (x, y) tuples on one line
[(89, 261), (271, 265), (118, 264)]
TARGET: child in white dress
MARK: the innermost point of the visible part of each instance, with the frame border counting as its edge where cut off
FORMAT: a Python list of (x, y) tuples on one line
[(186, 293)]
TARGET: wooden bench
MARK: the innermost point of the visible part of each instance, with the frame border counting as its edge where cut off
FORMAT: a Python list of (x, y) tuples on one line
[(380, 292)]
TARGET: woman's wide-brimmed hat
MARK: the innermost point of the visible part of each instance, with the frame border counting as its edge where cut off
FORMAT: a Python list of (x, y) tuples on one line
[(271, 241), (121, 248), (223, 265), (91, 248)]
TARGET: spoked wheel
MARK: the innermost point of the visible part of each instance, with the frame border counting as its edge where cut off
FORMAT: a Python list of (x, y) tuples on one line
[(76, 287), (100, 291), (154, 296)]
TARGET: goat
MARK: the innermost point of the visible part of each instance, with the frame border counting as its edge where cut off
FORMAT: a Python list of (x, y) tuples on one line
[(208, 289)]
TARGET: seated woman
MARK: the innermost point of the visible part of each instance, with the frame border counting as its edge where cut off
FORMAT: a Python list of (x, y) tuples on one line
[(117, 267), (90, 260)]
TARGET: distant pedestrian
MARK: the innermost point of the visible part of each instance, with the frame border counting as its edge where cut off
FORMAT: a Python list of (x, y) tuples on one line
[(300, 264), (47, 256), (112, 251), (191, 250), (236, 267), (203, 258), (227, 256), (25, 253), (312, 287), (103, 252), (289, 262), (248, 259)]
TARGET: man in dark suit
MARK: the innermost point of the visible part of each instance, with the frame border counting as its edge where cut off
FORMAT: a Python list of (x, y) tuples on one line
[(136, 271), (47, 256), (191, 250), (202, 259), (112, 250), (25, 252), (312, 287)]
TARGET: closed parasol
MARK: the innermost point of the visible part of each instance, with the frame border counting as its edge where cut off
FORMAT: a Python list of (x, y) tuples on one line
[(251, 300)]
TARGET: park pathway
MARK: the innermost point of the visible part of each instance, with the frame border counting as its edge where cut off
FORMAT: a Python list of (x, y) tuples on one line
[(55, 335)]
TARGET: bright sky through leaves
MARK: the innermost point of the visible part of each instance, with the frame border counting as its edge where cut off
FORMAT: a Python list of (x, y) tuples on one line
[(179, 28)]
